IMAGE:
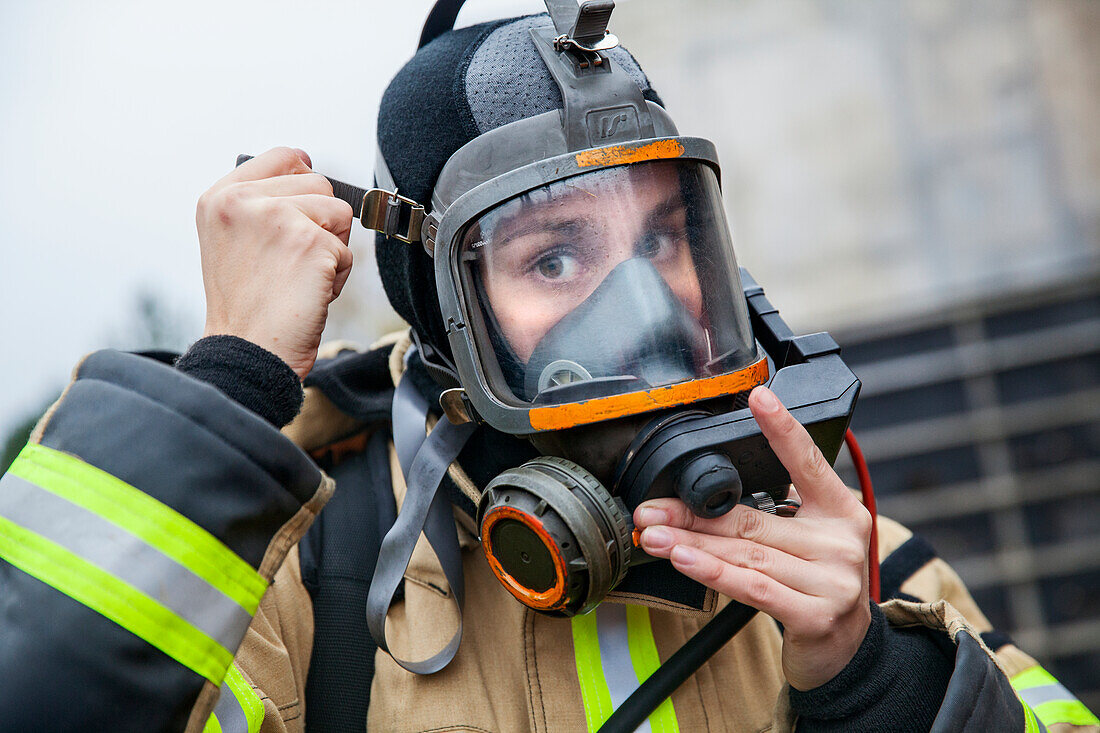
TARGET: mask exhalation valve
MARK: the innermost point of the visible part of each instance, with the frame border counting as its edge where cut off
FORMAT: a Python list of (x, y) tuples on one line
[(554, 536)]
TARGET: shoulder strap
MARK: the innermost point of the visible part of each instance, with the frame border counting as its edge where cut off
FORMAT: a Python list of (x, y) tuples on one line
[(338, 555), (425, 509)]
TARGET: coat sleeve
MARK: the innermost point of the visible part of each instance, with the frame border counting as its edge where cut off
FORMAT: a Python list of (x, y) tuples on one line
[(992, 676), (274, 660), (139, 531)]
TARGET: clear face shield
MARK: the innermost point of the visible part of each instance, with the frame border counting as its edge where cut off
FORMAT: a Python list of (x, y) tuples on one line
[(614, 281)]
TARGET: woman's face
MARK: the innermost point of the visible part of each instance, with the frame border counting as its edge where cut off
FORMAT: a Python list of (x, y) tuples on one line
[(545, 258)]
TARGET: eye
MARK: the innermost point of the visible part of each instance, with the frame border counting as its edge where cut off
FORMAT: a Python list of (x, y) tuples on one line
[(653, 244), (556, 266)]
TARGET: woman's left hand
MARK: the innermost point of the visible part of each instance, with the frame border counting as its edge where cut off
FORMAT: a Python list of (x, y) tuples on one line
[(808, 572)]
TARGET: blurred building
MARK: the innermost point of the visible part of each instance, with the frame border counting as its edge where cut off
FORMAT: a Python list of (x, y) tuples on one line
[(922, 178)]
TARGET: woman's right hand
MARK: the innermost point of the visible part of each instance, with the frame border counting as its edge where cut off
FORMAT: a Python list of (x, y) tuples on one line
[(274, 254)]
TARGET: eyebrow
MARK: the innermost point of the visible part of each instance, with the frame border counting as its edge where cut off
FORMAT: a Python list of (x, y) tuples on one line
[(671, 204), (537, 226)]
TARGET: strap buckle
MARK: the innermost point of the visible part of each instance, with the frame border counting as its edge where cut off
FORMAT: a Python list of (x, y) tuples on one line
[(392, 214)]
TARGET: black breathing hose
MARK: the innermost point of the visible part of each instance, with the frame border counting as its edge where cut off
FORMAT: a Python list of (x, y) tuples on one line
[(681, 665)]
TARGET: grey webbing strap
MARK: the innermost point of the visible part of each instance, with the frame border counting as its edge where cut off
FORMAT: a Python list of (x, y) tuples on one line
[(426, 510), (410, 419), (410, 414)]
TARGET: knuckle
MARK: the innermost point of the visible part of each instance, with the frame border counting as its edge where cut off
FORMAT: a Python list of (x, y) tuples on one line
[(748, 523), (861, 519), (303, 231), (205, 202), (852, 553), (712, 573), (849, 588), (275, 213), (680, 515), (756, 557), (816, 466), (286, 158), (335, 250), (757, 590), (220, 204), (320, 184), (346, 212), (821, 624)]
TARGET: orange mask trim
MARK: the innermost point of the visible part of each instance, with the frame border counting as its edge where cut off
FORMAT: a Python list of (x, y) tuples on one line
[(560, 417), (623, 154), (548, 600)]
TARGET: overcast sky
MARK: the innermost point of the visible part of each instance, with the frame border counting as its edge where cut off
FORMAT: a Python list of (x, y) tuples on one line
[(115, 116)]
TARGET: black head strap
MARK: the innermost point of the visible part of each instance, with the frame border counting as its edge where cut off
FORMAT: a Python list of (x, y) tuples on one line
[(440, 20), (581, 24)]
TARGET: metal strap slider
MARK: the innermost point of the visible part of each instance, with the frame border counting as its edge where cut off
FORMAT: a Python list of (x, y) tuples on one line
[(392, 214)]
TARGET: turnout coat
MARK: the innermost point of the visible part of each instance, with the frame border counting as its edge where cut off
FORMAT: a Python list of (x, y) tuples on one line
[(153, 576)]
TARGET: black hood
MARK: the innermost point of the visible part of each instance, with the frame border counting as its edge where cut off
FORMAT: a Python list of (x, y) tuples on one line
[(431, 109)]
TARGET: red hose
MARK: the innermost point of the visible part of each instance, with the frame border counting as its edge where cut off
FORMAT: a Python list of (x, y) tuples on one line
[(868, 501)]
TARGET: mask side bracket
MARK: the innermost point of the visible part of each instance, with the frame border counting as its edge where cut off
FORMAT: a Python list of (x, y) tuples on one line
[(773, 333)]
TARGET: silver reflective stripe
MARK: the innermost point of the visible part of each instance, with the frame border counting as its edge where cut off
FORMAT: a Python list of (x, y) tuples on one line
[(126, 557), (618, 669), (229, 712), (239, 708), (1036, 696)]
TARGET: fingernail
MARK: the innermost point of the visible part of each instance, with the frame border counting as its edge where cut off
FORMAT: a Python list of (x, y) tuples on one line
[(766, 400), (304, 156), (682, 555), (656, 537), (649, 516)]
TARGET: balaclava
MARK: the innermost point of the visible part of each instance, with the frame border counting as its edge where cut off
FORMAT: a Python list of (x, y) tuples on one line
[(461, 85)]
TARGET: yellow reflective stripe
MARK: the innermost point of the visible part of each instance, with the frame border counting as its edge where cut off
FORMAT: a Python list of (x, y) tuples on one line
[(1031, 725), (143, 516), (212, 725), (643, 655), (122, 603), (1064, 709), (594, 690), (1072, 712), (1032, 677), (246, 697)]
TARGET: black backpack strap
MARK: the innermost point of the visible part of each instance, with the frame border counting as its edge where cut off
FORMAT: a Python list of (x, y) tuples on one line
[(338, 555)]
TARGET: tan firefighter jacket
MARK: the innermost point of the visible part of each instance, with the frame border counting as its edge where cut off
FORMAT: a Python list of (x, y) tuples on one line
[(518, 670), (150, 580)]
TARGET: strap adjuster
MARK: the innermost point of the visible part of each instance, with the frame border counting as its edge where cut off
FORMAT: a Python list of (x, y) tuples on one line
[(392, 214)]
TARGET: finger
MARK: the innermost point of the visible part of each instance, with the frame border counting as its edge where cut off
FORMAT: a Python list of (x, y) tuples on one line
[(791, 571), (750, 587), (789, 535), (332, 214), (343, 270), (821, 489), (275, 162), (297, 184)]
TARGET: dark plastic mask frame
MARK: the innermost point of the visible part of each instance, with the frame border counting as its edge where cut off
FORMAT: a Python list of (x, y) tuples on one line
[(810, 379), (458, 306)]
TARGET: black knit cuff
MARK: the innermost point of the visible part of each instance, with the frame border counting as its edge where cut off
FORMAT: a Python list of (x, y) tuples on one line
[(247, 373), (895, 681)]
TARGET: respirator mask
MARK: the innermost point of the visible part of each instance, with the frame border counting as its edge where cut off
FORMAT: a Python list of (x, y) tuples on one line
[(593, 306), (600, 307)]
